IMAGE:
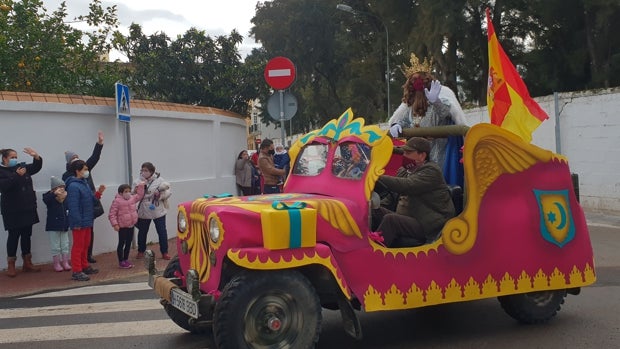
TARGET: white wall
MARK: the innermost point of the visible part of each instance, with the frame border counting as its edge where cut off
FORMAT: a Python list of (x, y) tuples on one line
[(589, 135), (195, 152)]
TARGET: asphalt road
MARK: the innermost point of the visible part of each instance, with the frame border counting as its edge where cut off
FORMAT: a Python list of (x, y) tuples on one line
[(129, 316)]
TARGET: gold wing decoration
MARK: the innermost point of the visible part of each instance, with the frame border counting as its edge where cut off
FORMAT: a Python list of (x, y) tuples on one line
[(380, 154), (337, 215), (489, 152)]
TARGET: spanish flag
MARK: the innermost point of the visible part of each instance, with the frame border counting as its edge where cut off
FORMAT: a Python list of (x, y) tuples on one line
[(509, 103)]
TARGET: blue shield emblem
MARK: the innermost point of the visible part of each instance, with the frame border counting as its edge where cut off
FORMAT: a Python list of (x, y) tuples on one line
[(556, 219)]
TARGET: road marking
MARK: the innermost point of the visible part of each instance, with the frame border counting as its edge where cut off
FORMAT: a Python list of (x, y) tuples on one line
[(89, 308), (87, 331), (602, 225), (135, 286)]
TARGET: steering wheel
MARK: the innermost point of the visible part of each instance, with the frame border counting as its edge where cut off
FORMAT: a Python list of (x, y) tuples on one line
[(384, 192)]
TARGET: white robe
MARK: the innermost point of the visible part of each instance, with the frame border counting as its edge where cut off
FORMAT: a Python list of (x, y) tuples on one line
[(445, 111)]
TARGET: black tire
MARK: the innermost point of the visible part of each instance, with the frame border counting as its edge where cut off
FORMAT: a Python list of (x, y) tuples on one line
[(533, 307), (177, 316), (277, 309)]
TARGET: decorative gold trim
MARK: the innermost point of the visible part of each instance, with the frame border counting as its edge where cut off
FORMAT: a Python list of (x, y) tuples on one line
[(291, 261), (435, 293)]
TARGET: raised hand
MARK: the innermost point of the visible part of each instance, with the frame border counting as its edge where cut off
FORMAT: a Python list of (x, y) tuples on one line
[(433, 94), (31, 152), (395, 130)]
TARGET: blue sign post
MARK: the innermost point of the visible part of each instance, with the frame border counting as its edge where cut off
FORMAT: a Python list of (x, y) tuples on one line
[(123, 113), (122, 102)]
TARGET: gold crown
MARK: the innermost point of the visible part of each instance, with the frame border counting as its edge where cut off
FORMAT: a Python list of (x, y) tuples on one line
[(417, 66)]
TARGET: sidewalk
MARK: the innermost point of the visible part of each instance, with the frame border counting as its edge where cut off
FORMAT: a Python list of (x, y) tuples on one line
[(107, 263)]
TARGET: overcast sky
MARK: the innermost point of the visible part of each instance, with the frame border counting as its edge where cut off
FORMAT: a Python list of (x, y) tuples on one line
[(215, 17)]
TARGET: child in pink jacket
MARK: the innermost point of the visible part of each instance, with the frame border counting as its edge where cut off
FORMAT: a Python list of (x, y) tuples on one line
[(123, 216)]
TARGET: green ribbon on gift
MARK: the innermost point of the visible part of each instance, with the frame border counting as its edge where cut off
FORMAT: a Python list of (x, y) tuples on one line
[(223, 195), (294, 217), (297, 205)]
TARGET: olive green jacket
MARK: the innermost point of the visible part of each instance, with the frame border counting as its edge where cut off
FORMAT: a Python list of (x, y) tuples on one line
[(424, 195)]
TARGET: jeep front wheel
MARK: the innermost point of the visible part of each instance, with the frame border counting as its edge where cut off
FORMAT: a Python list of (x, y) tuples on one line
[(277, 309), (533, 307)]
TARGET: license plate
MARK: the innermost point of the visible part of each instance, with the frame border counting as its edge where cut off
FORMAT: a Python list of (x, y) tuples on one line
[(184, 303)]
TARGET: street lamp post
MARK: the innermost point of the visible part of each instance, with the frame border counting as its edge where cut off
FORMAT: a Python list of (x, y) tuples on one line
[(347, 8)]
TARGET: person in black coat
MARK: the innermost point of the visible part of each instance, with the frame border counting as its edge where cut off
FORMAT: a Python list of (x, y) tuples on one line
[(18, 205), (71, 156)]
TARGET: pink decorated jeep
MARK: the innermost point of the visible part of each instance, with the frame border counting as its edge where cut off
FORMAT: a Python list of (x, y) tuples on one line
[(256, 271)]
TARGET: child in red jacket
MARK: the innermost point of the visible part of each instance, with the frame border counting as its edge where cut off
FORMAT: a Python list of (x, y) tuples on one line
[(123, 216)]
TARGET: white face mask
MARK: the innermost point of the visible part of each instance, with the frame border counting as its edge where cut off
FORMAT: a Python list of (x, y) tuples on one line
[(86, 174), (126, 196)]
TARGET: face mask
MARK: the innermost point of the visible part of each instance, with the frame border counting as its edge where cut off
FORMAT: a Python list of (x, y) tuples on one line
[(86, 174), (408, 163), (271, 151), (126, 196), (12, 162)]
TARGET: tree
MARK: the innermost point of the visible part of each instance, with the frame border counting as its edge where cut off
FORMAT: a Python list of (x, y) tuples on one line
[(555, 45), (42, 52), (193, 69)]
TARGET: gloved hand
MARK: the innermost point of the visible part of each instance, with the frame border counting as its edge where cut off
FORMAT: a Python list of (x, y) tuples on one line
[(433, 94), (395, 130)]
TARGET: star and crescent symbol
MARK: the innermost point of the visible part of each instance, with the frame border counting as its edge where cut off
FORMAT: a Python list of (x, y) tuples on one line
[(556, 224)]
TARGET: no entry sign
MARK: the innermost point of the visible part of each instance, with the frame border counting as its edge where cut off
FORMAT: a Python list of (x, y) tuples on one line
[(280, 73)]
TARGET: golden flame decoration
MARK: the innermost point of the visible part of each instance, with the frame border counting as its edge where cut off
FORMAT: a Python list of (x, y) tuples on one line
[(346, 126)]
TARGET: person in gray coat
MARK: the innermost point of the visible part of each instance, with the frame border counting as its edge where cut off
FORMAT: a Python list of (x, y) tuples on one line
[(424, 205)]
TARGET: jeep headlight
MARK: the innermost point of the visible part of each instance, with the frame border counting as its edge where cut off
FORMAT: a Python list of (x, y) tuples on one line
[(182, 222), (214, 230)]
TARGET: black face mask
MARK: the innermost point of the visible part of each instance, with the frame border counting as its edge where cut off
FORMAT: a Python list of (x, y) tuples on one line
[(271, 152)]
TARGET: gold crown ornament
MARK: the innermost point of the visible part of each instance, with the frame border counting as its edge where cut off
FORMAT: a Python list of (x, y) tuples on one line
[(416, 66)]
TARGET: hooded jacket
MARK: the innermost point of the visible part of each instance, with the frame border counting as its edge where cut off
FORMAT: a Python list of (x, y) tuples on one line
[(123, 212), (57, 219), (80, 203)]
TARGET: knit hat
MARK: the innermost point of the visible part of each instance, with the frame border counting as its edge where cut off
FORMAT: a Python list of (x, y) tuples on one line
[(69, 156), (56, 182), (418, 144)]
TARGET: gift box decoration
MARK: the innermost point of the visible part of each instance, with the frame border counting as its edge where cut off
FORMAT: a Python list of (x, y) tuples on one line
[(288, 226)]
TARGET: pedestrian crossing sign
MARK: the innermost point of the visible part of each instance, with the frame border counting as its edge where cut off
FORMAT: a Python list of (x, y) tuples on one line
[(122, 102)]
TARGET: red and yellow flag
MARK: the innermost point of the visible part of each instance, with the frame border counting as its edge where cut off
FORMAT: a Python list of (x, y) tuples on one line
[(509, 103)]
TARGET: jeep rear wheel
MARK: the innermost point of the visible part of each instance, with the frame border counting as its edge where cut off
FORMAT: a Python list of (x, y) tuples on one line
[(177, 316), (533, 307), (278, 309)]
